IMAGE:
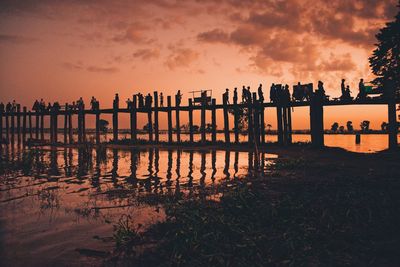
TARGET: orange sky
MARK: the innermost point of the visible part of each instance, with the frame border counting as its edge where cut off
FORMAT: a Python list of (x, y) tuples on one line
[(61, 50)]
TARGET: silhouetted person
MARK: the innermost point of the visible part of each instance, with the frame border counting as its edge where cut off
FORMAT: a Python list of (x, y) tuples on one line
[(56, 106), (141, 100), (320, 92), (244, 94), (49, 106), (178, 98), (35, 106), (362, 94), (8, 107), (235, 95), (342, 87), (161, 100), (273, 93), (1, 107), (148, 101), (286, 94), (128, 103), (260, 94), (225, 96)]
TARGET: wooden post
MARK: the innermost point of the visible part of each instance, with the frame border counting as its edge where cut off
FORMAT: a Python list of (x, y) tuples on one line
[(226, 119), (1, 127), (7, 114), (289, 118), (70, 129), (134, 119), (80, 124), (191, 120), (24, 126), (42, 125), (279, 123), (214, 120), (256, 119), (317, 121), (30, 124), (203, 121), (392, 127), (83, 123), (115, 118), (55, 126), (250, 131), (12, 126), (156, 131), (97, 124), (236, 121), (19, 124), (262, 120), (178, 126), (66, 124), (37, 120), (169, 119), (150, 123), (285, 125)]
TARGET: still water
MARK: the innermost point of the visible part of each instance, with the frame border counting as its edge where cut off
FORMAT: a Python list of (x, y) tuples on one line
[(64, 206)]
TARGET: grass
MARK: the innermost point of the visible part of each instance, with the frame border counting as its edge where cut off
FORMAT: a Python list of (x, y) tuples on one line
[(347, 219)]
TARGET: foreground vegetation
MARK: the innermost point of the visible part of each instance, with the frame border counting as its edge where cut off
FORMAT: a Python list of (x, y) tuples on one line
[(330, 212)]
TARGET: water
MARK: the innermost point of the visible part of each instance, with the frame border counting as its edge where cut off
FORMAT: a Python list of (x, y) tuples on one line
[(72, 198)]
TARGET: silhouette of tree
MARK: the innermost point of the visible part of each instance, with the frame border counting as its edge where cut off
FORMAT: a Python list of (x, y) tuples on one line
[(364, 125), (349, 126), (334, 127), (385, 59)]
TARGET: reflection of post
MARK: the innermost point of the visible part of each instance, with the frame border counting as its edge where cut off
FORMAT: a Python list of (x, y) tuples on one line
[(226, 119), (24, 126), (203, 120), (55, 125), (213, 164), (227, 160), (202, 169), (214, 121), (191, 120), (156, 132), (169, 172), (79, 124), (279, 123), (169, 119), (190, 174), (149, 123), (134, 156), (178, 164), (178, 126), (83, 124), (114, 170), (236, 164)]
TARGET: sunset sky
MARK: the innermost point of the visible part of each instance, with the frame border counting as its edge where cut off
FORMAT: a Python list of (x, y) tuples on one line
[(61, 50)]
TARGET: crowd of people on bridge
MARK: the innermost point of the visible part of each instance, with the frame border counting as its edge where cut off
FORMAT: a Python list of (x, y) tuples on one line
[(279, 93)]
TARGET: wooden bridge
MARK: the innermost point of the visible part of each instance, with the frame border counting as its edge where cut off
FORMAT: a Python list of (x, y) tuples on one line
[(256, 121)]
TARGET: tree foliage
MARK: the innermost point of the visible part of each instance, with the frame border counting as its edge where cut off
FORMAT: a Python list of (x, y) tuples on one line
[(385, 59)]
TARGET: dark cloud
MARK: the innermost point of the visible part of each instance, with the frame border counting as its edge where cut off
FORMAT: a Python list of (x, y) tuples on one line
[(338, 63), (16, 39), (102, 69), (181, 58), (146, 54), (213, 36)]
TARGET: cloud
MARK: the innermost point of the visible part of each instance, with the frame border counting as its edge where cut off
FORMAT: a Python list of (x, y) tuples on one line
[(338, 63), (73, 66), (181, 58), (16, 39), (213, 36), (102, 69), (146, 54), (135, 33)]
